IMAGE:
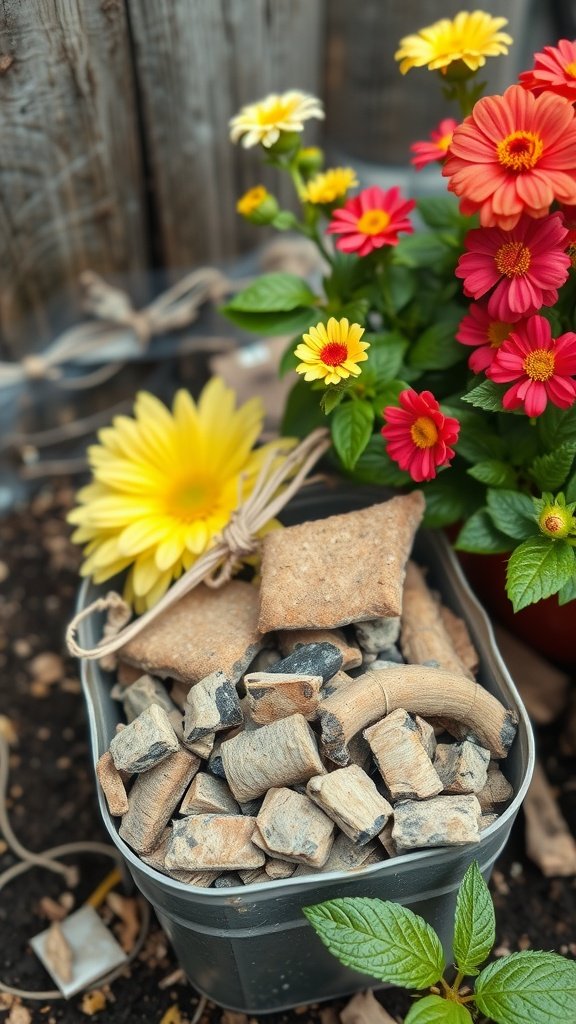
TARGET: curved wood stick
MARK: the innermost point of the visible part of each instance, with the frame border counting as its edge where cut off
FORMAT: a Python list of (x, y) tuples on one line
[(422, 691)]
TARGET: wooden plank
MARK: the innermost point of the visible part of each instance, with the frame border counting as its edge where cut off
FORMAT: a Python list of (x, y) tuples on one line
[(197, 63), (71, 185)]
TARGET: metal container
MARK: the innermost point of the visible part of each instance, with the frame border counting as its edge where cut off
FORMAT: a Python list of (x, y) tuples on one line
[(250, 948)]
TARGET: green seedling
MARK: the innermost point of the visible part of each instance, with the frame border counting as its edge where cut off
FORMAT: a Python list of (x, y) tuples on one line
[(394, 945)]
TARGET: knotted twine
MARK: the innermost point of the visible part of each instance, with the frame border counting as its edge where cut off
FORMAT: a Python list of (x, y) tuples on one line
[(274, 487)]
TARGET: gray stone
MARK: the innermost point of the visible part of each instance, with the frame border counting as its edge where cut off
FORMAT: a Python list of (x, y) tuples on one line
[(290, 639), (377, 634), (391, 654), (291, 827), (323, 660), (462, 766), (214, 842), (251, 807), (228, 880), (349, 797), (140, 695), (143, 744), (442, 821), (380, 665), (212, 705)]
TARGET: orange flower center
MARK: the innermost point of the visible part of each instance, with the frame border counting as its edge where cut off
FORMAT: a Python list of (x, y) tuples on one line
[(570, 69), (445, 141), (424, 432), (520, 151), (513, 259), (373, 222), (497, 332), (334, 353), (539, 365)]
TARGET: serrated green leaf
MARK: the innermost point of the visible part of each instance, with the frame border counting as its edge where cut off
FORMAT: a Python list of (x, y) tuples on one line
[(385, 355), (270, 324), (302, 412), (382, 939), (476, 441), (528, 988), (437, 348), (420, 250), (436, 1010), (450, 497), (356, 311), (351, 427), (272, 293), (520, 438), (441, 212), (474, 922), (387, 394), (557, 426), (549, 471), (402, 284), (376, 467), (568, 592), (494, 473), (538, 568), (480, 536), (570, 492), (486, 395), (512, 513), (331, 399)]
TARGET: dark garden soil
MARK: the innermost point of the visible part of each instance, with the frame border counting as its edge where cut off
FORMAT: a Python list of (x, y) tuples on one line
[(52, 800)]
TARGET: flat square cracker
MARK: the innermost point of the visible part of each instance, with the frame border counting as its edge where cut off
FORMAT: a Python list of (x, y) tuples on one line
[(206, 630), (338, 570)]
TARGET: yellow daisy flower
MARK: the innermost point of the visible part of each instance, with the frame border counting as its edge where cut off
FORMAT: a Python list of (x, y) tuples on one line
[(330, 185), (265, 120), (470, 37), (164, 485), (331, 352), (251, 200)]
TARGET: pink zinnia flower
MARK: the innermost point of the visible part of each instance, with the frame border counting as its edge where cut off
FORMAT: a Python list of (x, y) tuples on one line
[(419, 435), (540, 364), (370, 220), (484, 333), (522, 268), (437, 149), (514, 154), (554, 71)]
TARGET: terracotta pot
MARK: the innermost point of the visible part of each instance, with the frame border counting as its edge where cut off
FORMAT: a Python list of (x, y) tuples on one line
[(547, 627)]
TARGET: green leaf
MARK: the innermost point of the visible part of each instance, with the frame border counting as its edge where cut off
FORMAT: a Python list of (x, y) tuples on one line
[(480, 536), (450, 497), (570, 491), (385, 354), (420, 250), (528, 988), (550, 471), (568, 592), (387, 394), (538, 568), (356, 311), (557, 426), (269, 324), (437, 348), (382, 939), (474, 922), (494, 473), (436, 1010), (486, 395), (302, 412), (441, 212), (289, 361), (512, 513), (402, 286), (520, 438), (351, 430), (476, 441), (272, 293), (376, 467), (331, 399)]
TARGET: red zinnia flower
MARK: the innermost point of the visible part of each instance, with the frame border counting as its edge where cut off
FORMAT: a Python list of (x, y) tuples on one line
[(514, 153), (524, 266), (540, 364), (418, 434), (437, 149), (370, 220), (486, 334), (554, 71)]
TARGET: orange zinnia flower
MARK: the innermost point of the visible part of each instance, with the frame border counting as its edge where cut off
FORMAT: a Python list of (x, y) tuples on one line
[(513, 155)]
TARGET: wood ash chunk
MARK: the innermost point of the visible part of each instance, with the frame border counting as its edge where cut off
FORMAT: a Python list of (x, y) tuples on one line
[(279, 754), (146, 742), (424, 636), (275, 695), (157, 859), (112, 785), (486, 820), (349, 797), (187, 641), (441, 821), (154, 798), (462, 767), (211, 706), (203, 746), (300, 588), (336, 682), (256, 876), (401, 758), (461, 640), (264, 659), (291, 639), (497, 789), (214, 842), (377, 635), (208, 795), (427, 735), (142, 693), (291, 827), (386, 839), (321, 659), (277, 869)]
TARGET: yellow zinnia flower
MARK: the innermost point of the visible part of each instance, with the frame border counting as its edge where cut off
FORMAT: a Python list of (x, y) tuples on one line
[(265, 120), (165, 484), (329, 186), (470, 37), (332, 351)]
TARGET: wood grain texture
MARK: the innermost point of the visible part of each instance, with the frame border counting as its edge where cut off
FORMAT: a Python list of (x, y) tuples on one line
[(197, 63), (70, 173)]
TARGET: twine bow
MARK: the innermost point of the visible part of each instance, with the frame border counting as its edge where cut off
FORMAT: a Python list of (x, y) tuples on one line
[(216, 566)]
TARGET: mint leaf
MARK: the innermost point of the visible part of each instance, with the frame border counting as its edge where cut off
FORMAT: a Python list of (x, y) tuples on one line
[(441, 212), (382, 939), (550, 471), (570, 492), (436, 1010), (493, 472), (387, 394), (476, 441), (568, 592), (294, 322), (486, 395), (437, 348), (537, 569), (528, 988), (480, 536), (402, 285), (351, 430), (420, 250), (512, 513), (376, 467), (272, 293), (331, 398), (557, 426), (474, 922), (385, 354)]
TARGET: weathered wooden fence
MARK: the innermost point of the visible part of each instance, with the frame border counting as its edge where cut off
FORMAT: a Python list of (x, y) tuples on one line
[(113, 124)]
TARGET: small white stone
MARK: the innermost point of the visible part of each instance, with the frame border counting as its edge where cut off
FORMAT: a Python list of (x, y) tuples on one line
[(377, 634)]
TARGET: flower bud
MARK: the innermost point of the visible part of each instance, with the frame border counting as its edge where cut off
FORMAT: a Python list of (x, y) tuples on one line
[(555, 521), (310, 160), (287, 143), (257, 206)]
